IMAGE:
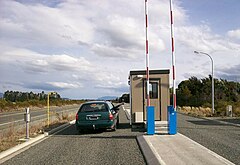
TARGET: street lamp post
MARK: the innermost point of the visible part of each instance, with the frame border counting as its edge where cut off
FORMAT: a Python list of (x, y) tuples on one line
[(48, 112), (212, 78)]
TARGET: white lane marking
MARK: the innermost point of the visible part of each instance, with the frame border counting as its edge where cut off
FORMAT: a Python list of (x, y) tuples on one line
[(21, 120), (12, 114), (209, 151)]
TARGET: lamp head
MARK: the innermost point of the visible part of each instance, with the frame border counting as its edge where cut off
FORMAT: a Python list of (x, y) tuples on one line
[(196, 52)]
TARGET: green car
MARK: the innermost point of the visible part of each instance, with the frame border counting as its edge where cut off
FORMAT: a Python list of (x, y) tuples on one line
[(97, 115)]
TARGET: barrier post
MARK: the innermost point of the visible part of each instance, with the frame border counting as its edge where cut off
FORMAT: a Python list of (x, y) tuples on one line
[(172, 120), (150, 120)]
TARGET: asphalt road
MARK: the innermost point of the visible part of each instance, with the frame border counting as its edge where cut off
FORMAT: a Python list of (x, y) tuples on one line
[(221, 138), (7, 118), (93, 147)]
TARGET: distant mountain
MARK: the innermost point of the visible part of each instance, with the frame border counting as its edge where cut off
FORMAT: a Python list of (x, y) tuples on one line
[(107, 98), (1, 95)]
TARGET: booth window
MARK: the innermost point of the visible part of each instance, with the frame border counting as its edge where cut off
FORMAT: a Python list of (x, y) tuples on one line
[(153, 90)]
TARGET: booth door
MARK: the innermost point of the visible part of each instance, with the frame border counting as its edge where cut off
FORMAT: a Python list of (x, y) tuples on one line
[(154, 93)]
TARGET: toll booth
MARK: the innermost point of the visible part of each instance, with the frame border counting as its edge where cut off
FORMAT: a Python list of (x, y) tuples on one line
[(159, 95)]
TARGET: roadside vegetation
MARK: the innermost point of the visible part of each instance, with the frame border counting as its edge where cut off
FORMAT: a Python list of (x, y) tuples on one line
[(13, 135), (194, 95), (16, 101)]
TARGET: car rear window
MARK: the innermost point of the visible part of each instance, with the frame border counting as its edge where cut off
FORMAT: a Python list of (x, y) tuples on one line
[(94, 107)]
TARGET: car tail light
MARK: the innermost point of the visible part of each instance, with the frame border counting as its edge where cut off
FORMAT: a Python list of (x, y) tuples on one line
[(110, 116), (76, 116)]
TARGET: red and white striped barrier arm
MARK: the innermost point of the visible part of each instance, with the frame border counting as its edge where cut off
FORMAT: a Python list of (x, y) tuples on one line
[(173, 57), (147, 51)]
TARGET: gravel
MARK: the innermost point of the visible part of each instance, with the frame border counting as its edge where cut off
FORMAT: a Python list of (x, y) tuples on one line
[(221, 138), (92, 147)]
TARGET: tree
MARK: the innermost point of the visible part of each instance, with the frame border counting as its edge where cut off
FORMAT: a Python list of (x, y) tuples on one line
[(16, 96), (197, 92)]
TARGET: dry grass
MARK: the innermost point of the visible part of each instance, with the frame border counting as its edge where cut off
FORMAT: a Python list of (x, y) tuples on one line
[(10, 137), (196, 111), (236, 111)]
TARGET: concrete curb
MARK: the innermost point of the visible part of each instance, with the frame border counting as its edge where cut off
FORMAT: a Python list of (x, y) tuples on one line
[(147, 152), (5, 154), (20, 146)]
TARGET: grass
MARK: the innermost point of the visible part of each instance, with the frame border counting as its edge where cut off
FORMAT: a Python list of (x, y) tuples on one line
[(10, 137), (206, 111), (196, 111)]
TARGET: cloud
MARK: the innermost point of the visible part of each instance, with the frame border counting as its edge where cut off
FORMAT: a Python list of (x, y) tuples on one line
[(234, 34), (52, 3), (92, 45), (201, 38), (39, 25), (116, 88), (34, 62), (103, 79), (230, 73), (115, 52), (120, 31), (52, 86), (64, 85)]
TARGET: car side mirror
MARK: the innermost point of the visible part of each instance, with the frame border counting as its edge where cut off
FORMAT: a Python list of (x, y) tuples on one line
[(113, 111)]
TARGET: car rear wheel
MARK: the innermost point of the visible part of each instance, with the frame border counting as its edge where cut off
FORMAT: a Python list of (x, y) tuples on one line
[(117, 124)]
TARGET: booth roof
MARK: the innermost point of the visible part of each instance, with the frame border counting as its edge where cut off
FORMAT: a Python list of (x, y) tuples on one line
[(143, 72)]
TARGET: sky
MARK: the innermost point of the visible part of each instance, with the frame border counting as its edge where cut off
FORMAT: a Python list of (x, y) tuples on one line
[(86, 49)]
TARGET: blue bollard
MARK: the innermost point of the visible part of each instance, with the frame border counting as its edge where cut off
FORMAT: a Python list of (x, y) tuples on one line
[(172, 120), (150, 120)]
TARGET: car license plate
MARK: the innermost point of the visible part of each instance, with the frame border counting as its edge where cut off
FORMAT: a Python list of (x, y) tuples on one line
[(93, 118)]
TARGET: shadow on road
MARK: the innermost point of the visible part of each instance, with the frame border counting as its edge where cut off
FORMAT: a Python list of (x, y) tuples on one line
[(206, 122), (71, 130), (113, 137), (124, 126), (234, 121)]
